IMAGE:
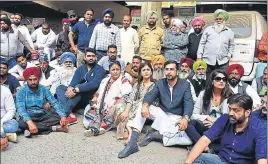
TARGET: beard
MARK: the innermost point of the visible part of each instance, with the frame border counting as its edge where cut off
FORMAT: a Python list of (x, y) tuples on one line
[(219, 27), (264, 110), (112, 58), (183, 74), (17, 23), (107, 23), (68, 71), (234, 120), (200, 76), (91, 63), (197, 30), (233, 81), (158, 73)]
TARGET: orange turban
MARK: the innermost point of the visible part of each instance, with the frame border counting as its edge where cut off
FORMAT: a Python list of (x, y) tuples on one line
[(160, 58)]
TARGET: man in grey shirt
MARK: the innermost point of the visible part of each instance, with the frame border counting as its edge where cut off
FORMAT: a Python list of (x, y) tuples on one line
[(216, 46)]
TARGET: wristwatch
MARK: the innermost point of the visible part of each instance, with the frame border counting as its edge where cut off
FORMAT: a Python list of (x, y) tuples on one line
[(74, 90)]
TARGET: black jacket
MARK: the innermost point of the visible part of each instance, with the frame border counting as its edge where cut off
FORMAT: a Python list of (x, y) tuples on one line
[(193, 45)]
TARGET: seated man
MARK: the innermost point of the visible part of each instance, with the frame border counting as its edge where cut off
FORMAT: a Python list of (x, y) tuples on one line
[(7, 79), (46, 70), (18, 69), (64, 74), (56, 62), (260, 84), (112, 56), (235, 72), (262, 112), (199, 79), (243, 136), (158, 66), (132, 70), (9, 126), (85, 82), (185, 71), (30, 101), (176, 107)]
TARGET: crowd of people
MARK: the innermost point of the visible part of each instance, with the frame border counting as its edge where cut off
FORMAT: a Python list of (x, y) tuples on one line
[(123, 77)]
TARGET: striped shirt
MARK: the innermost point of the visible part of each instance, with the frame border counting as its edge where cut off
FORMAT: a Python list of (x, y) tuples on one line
[(30, 104), (103, 36)]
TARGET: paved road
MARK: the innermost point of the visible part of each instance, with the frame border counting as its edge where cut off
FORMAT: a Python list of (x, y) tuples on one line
[(74, 148)]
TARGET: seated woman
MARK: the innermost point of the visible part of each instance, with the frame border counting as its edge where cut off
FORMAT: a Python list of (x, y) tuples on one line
[(210, 105), (144, 85), (9, 126), (99, 115)]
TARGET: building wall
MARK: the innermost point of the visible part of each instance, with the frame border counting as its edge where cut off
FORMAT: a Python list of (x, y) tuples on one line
[(81, 6)]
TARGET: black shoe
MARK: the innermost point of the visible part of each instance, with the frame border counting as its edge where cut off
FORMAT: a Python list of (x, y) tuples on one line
[(128, 150), (145, 141)]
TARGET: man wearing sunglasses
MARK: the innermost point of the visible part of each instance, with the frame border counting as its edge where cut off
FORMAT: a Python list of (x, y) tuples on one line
[(214, 51), (235, 72)]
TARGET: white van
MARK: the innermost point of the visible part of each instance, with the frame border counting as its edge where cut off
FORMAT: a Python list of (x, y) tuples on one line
[(248, 28)]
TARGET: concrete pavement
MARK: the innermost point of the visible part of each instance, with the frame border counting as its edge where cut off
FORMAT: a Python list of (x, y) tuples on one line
[(74, 148)]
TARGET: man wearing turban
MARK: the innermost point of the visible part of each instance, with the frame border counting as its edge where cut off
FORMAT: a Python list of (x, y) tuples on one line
[(175, 42), (199, 79), (194, 38), (214, 51), (150, 37), (158, 63), (64, 74), (30, 102), (185, 72), (235, 72), (105, 34)]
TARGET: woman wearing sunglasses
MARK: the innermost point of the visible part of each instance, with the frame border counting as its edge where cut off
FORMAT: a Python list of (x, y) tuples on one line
[(210, 105)]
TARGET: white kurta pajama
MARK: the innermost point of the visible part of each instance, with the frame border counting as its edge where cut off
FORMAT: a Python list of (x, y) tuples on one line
[(129, 43)]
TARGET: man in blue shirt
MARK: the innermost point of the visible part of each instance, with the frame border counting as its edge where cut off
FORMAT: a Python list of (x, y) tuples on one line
[(30, 101), (262, 112), (243, 136), (84, 84), (84, 30), (7, 79)]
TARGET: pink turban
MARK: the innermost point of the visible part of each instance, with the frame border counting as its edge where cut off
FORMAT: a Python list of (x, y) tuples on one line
[(200, 20), (65, 20), (28, 72)]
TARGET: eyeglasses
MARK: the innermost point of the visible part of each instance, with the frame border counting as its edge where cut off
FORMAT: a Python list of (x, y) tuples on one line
[(218, 79)]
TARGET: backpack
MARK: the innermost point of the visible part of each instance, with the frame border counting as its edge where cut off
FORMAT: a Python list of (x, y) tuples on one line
[(263, 48)]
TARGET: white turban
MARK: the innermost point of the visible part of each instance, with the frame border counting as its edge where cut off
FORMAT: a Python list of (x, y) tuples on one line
[(151, 13), (177, 22)]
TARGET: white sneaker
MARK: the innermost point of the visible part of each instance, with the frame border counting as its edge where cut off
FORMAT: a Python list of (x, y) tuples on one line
[(12, 137), (90, 132)]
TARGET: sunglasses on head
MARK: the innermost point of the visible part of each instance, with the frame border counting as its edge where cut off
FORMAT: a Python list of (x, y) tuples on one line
[(220, 79)]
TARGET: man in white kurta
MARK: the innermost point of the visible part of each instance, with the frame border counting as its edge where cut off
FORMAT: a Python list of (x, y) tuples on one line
[(45, 40), (129, 40), (23, 30)]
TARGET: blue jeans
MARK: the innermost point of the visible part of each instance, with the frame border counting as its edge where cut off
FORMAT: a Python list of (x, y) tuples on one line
[(100, 54), (67, 104), (11, 62), (206, 158), (10, 126)]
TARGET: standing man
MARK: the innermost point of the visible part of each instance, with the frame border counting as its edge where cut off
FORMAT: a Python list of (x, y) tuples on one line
[(105, 34), (84, 29), (85, 82), (129, 40), (45, 40), (150, 38), (24, 31), (167, 21), (194, 38), (175, 102), (30, 101), (243, 136), (10, 39), (214, 51)]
